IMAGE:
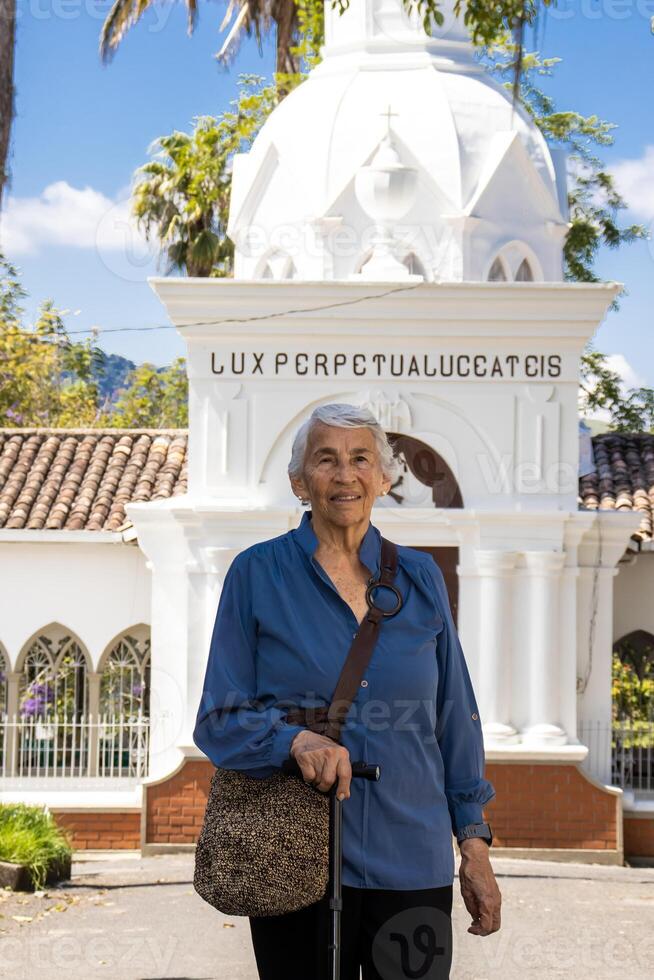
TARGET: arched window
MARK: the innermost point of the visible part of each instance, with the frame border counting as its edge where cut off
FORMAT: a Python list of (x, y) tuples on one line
[(125, 683), (515, 262), (637, 650), (278, 265), (632, 684), (524, 273), (497, 271), (54, 677)]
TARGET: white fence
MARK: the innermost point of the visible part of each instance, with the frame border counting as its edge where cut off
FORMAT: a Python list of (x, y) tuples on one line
[(626, 748), (108, 747)]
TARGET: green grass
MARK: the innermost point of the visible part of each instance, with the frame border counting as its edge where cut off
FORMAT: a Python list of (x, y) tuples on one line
[(30, 836)]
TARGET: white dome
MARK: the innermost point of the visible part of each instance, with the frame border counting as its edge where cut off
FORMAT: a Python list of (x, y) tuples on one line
[(486, 176)]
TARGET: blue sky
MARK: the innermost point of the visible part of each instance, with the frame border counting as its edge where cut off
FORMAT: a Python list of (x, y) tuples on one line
[(82, 128)]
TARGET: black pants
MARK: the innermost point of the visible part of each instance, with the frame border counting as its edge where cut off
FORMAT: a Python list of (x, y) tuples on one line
[(390, 934)]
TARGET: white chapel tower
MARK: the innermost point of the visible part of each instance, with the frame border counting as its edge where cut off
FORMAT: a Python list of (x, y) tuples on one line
[(399, 132)]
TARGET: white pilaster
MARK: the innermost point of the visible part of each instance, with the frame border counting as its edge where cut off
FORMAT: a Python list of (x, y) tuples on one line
[(568, 652), (543, 645), (495, 621), (206, 583), (599, 554)]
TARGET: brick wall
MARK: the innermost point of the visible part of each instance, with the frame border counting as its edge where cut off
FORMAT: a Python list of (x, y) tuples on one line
[(550, 806), (638, 836), (175, 807), (538, 805), (94, 831)]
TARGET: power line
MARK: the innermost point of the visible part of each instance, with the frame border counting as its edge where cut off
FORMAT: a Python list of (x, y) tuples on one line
[(216, 323)]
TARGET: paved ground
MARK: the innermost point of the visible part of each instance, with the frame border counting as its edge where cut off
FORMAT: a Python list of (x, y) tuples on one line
[(128, 918)]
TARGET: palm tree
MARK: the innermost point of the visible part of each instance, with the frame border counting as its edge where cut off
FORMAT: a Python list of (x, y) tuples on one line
[(181, 199), (247, 16), (7, 40), (486, 21)]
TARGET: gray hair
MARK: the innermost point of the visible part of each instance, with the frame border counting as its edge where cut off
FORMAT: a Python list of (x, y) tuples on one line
[(344, 416)]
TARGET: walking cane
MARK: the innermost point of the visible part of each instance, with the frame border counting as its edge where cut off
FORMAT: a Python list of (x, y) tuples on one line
[(360, 770)]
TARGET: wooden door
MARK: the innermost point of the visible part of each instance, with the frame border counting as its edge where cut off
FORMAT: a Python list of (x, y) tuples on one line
[(447, 559)]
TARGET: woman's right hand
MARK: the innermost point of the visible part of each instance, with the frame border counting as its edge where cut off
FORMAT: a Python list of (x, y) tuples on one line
[(322, 761)]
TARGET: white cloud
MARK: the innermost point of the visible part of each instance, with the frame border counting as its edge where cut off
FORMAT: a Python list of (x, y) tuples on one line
[(70, 216), (635, 181), (628, 374)]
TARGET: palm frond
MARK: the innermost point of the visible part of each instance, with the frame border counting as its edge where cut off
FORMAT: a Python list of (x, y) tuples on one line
[(191, 20), (123, 15), (232, 42), (229, 13)]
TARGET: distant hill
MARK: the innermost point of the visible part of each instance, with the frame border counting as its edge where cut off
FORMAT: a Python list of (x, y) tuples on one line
[(597, 426), (111, 374)]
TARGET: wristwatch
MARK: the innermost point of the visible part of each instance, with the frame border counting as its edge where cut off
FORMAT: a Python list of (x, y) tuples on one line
[(482, 830)]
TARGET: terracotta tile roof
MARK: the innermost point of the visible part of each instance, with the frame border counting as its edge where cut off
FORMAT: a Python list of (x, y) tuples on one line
[(624, 477), (81, 479)]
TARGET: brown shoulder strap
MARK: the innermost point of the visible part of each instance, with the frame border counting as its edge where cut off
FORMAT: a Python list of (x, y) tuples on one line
[(363, 644)]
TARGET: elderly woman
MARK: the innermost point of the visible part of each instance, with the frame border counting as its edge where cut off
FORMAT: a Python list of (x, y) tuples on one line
[(286, 618)]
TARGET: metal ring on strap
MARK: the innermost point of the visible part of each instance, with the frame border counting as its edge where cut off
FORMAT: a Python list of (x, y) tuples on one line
[(372, 587)]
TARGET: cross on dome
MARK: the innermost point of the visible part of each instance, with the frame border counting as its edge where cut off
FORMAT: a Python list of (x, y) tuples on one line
[(388, 115)]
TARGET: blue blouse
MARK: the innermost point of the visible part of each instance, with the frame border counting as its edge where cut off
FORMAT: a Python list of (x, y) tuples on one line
[(281, 636)]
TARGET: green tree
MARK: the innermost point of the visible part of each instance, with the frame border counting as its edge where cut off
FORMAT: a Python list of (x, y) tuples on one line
[(633, 695), (181, 197), (153, 398), (46, 378), (49, 380), (601, 388)]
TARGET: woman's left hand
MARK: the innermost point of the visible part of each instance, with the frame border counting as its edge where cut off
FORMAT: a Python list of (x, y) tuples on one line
[(479, 888)]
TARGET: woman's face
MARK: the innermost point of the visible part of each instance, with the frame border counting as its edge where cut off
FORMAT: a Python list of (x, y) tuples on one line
[(342, 474)]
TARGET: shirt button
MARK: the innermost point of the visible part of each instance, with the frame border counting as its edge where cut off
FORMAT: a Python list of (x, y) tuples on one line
[(364, 683), (475, 716)]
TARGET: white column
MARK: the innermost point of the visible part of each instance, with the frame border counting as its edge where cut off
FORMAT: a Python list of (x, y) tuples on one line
[(568, 651), (11, 743), (542, 644), (206, 581), (168, 688), (599, 554), (595, 667), (495, 570), (95, 680)]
